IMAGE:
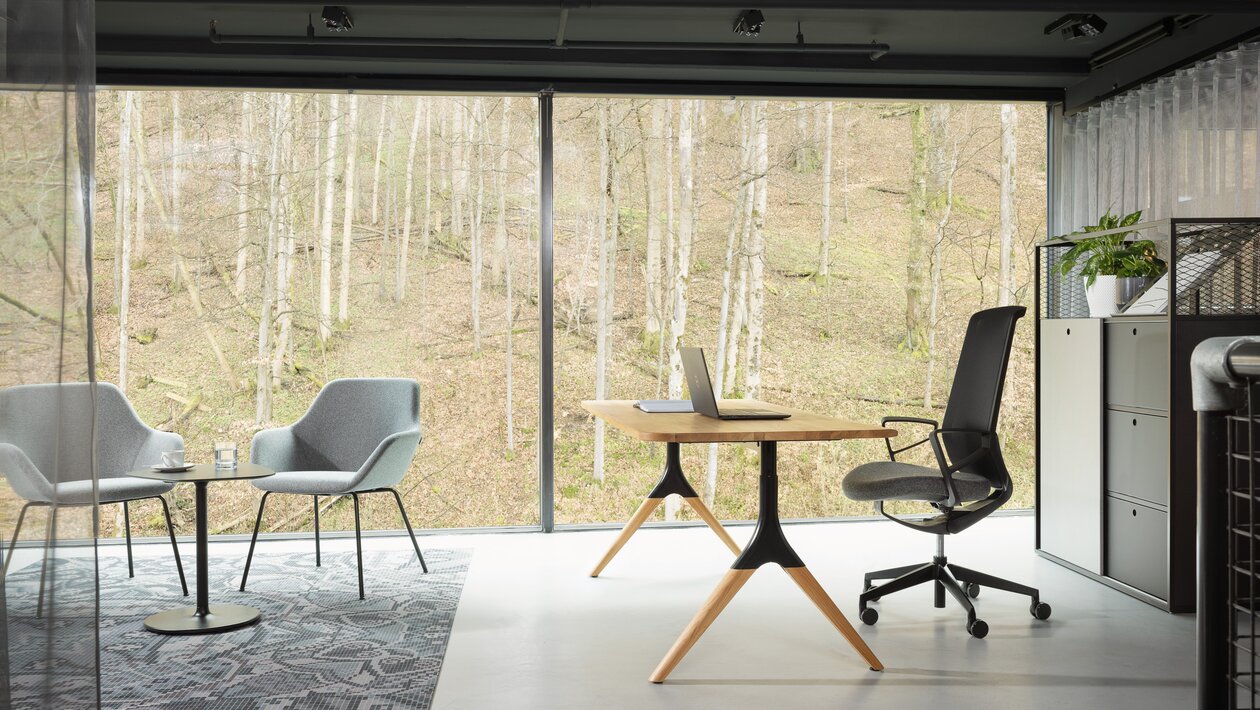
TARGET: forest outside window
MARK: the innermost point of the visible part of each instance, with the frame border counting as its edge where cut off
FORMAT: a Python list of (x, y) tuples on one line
[(826, 254)]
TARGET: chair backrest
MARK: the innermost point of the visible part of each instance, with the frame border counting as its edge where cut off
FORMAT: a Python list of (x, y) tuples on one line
[(350, 417), (53, 426), (976, 397)]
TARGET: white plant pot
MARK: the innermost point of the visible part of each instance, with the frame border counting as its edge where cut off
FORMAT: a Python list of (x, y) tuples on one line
[(1101, 297)]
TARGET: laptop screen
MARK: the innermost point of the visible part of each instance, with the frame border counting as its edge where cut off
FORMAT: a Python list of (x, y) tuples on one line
[(702, 399)]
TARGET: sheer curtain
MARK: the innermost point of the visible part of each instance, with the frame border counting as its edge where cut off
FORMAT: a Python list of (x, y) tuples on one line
[(48, 641), (1181, 146)]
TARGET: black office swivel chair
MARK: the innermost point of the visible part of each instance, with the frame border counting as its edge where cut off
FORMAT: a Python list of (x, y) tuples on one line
[(969, 482)]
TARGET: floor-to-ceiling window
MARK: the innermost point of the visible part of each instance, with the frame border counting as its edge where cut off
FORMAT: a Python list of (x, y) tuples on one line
[(826, 254)]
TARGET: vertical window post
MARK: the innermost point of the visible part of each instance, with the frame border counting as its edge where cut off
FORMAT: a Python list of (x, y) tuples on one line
[(546, 312)]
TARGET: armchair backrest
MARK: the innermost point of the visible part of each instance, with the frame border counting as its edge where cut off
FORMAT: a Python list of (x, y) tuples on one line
[(976, 396), (350, 417), (53, 425)]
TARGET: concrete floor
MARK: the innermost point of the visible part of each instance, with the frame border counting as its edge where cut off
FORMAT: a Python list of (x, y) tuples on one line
[(533, 631)]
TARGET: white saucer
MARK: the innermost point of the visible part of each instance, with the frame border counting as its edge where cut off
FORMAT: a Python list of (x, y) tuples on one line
[(171, 469)]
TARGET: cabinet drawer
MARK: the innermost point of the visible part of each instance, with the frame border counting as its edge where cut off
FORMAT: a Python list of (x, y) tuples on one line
[(1137, 455), (1137, 546), (1137, 364)]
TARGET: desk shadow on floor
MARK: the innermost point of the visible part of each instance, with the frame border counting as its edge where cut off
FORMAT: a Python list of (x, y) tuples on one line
[(937, 678)]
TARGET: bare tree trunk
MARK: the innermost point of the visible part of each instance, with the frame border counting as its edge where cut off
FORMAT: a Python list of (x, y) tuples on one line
[(124, 220), (756, 260), (376, 161), (500, 232), (919, 255), (940, 185), (244, 176), (137, 248), (325, 233), (682, 272), (739, 309), (459, 166), (390, 191), (650, 152), (177, 177), (476, 125), (502, 237), (262, 408), (404, 243), (347, 222), (602, 317), (824, 246), (719, 376), (428, 173), (1006, 210), (286, 235)]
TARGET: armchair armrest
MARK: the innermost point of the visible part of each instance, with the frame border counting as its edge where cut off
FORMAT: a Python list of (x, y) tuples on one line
[(276, 449), (389, 462), (892, 453), (949, 469), (22, 474)]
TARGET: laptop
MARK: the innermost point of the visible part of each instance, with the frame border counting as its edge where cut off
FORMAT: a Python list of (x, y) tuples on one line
[(702, 399)]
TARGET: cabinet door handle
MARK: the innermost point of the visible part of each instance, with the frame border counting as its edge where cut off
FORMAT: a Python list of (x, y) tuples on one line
[(1135, 512), (1135, 331), (1135, 422)]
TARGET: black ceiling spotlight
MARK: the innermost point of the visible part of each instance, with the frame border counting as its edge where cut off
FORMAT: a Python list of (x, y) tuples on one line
[(337, 19), (749, 23), (1078, 25)]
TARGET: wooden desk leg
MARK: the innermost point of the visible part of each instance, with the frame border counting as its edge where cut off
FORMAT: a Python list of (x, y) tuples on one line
[(672, 482), (636, 520), (768, 545), (725, 592), (711, 520)]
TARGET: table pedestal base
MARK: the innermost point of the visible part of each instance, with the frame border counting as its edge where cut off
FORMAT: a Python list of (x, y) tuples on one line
[(767, 546), (222, 617), (672, 482)]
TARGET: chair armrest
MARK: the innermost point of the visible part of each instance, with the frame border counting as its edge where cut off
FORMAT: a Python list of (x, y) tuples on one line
[(276, 449), (949, 469), (389, 462), (892, 453), (22, 474)]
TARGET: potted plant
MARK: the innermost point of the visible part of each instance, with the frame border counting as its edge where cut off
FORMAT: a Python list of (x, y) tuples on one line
[(1114, 270)]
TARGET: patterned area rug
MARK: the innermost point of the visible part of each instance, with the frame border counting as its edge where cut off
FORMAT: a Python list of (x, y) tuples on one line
[(317, 646)]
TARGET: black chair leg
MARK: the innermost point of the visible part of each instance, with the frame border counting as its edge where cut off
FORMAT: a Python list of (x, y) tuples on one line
[(13, 543), (947, 581), (407, 522), (358, 542), (316, 530), (170, 530), (967, 576), (913, 578), (49, 542), (257, 523), (131, 568), (891, 573)]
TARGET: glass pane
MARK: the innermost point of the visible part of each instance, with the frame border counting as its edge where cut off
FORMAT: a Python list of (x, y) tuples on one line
[(825, 254), (237, 205)]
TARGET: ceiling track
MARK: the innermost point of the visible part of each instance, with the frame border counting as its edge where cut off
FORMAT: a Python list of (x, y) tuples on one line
[(1216, 7), (873, 50)]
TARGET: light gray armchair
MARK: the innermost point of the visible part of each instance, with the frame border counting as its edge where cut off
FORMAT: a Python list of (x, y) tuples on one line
[(48, 437), (358, 436)]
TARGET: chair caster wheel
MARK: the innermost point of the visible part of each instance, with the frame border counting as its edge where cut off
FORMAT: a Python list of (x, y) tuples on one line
[(978, 629), (868, 616), (973, 590), (1040, 610)]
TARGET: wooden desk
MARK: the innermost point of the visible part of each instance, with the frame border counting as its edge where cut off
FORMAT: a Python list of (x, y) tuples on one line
[(768, 543)]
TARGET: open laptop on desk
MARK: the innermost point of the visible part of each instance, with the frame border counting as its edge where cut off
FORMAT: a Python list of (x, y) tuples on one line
[(702, 399)]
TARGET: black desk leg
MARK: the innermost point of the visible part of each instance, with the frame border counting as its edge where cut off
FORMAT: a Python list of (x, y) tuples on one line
[(672, 482), (768, 545), (204, 618)]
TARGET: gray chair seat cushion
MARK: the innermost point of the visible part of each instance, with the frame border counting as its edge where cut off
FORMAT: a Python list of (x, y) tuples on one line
[(112, 490), (894, 480), (309, 483)]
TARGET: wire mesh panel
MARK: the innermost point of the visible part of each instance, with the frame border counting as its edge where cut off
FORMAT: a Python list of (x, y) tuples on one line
[(1242, 549), (1217, 267), (1061, 296)]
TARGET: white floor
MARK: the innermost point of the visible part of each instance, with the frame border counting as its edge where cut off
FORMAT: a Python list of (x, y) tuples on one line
[(534, 631)]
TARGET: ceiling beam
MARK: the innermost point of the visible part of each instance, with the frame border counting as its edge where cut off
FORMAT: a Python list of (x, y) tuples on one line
[(1216, 7), (155, 47)]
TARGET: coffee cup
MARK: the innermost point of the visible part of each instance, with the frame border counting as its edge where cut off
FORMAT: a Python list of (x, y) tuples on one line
[(173, 459)]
